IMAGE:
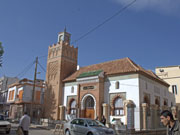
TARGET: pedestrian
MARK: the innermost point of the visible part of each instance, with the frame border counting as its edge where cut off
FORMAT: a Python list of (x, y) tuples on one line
[(173, 126), (97, 118), (25, 123), (103, 120)]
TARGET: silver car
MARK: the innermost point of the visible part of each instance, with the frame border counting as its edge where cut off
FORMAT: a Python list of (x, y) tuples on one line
[(5, 126), (83, 126)]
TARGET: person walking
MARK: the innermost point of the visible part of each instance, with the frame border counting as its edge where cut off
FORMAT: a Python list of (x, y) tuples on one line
[(25, 123), (103, 120), (173, 126)]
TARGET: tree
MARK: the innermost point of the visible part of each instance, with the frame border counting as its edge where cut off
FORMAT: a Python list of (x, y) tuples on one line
[(1, 53), (49, 102)]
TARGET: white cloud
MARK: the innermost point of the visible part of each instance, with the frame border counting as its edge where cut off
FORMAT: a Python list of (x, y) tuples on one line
[(163, 6)]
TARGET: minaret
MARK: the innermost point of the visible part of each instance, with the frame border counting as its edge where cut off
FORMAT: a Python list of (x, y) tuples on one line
[(64, 36), (61, 62)]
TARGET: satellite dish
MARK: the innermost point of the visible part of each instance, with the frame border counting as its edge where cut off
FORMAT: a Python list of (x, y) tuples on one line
[(161, 70)]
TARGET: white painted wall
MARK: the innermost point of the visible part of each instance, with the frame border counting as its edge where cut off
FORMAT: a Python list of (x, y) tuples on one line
[(162, 93), (15, 91), (19, 89), (128, 84), (67, 91)]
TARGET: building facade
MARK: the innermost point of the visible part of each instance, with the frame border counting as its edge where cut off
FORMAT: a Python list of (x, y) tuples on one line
[(171, 74), (101, 89), (20, 98), (4, 83)]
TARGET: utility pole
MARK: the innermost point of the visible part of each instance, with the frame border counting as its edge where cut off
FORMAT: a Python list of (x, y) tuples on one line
[(33, 90)]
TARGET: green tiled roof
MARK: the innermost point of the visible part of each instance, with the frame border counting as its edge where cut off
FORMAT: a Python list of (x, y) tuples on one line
[(90, 73)]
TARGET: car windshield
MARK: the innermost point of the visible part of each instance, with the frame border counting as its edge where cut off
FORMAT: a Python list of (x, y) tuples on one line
[(1, 117), (94, 123)]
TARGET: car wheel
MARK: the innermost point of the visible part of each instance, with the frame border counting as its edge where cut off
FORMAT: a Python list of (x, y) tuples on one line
[(67, 132), (7, 132), (90, 133)]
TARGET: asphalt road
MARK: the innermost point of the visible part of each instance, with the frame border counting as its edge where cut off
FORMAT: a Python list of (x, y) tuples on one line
[(32, 131)]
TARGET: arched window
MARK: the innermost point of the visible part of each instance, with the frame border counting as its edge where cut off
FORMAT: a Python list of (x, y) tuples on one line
[(118, 107), (117, 85), (157, 102), (89, 103), (165, 102), (73, 107), (146, 100), (72, 89)]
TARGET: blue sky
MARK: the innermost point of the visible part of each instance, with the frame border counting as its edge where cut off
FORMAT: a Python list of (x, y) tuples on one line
[(148, 32)]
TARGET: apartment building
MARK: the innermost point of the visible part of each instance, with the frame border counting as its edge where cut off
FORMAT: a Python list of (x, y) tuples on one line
[(4, 83), (171, 74), (20, 98)]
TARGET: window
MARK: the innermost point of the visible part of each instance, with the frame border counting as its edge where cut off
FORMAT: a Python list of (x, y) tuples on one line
[(89, 103), (174, 89), (20, 94), (75, 121), (38, 96), (118, 107), (72, 89), (73, 107), (2, 117), (166, 102), (12, 95), (157, 101), (117, 85), (81, 122), (146, 99), (9, 95), (78, 122)]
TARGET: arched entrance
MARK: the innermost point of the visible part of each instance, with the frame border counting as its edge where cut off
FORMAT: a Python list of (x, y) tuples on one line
[(73, 107), (89, 106)]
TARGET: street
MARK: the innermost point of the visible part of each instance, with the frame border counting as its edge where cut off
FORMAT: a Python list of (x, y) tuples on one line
[(32, 131)]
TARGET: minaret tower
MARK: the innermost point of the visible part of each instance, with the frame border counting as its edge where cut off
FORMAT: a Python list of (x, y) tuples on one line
[(61, 62)]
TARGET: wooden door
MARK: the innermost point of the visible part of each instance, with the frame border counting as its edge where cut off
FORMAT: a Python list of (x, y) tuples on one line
[(89, 113)]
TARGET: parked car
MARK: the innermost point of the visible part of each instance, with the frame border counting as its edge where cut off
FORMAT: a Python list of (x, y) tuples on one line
[(5, 126), (84, 126)]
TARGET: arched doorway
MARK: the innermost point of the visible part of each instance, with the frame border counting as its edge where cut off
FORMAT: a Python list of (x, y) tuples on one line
[(73, 107), (89, 107)]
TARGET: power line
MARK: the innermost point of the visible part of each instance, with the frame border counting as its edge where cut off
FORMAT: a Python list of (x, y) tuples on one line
[(108, 19), (41, 67), (22, 73), (25, 72), (99, 25)]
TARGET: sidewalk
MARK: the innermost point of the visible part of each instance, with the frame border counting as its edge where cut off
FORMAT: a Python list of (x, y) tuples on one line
[(41, 126), (33, 126)]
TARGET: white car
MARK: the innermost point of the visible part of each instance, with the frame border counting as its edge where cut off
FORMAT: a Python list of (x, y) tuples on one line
[(84, 126), (5, 126)]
